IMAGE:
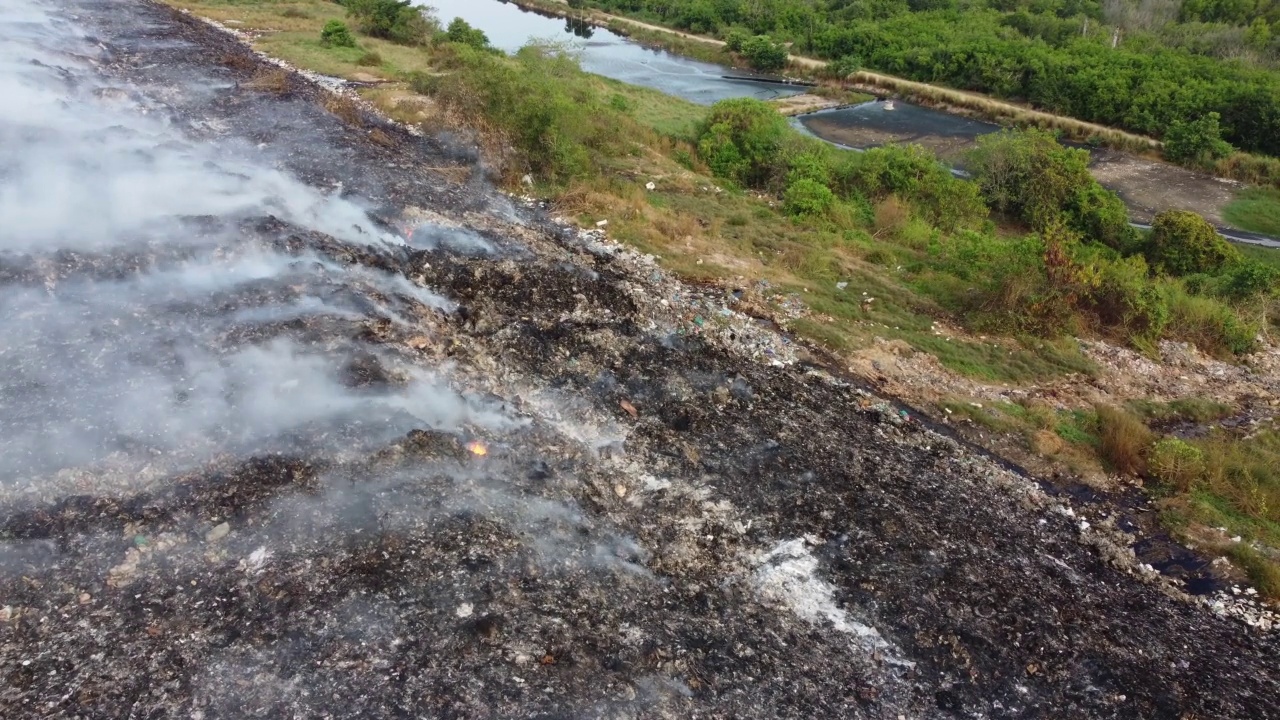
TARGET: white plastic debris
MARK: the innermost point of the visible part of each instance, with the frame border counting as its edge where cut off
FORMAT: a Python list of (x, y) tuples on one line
[(650, 186)]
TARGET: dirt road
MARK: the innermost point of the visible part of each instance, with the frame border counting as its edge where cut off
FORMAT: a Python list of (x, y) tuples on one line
[(299, 425)]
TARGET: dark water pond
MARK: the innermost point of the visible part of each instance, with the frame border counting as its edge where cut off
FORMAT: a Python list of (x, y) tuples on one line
[(901, 121), (606, 53)]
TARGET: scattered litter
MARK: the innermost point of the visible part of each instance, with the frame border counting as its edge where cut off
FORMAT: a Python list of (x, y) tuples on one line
[(218, 532)]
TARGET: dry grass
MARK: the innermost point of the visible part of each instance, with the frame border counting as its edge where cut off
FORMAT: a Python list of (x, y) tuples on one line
[(380, 137), (891, 215), (272, 80), (344, 108), (1124, 439), (239, 61)]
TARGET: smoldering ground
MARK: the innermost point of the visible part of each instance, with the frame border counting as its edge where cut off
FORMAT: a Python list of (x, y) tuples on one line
[(311, 466)]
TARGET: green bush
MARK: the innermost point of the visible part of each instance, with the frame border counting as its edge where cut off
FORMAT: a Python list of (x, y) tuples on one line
[(1183, 243), (740, 139), (913, 173), (461, 32), (1123, 297), (805, 197), (369, 59), (843, 67), (1028, 175), (336, 34), (736, 39), (762, 53), (1199, 140), (1176, 463), (538, 106), (395, 20), (1249, 279)]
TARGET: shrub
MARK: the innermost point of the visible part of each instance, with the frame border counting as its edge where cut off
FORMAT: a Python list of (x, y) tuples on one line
[(762, 53), (842, 67), (1176, 463), (1027, 174), (537, 110), (736, 40), (1250, 278), (1124, 439), (1197, 141), (461, 32), (271, 79), (1182, 243), (1123, 297), (806, 197), (396, 20), (911, 173), (740, 139), (369, 59), (336, 34), (890, 215)]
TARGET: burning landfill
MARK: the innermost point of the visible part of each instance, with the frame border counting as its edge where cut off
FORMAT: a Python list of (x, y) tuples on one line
[(265, 454)]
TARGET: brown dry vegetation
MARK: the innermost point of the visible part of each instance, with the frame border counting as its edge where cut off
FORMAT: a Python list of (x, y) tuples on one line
[(344, 108), (1124, 439), (272, 80)]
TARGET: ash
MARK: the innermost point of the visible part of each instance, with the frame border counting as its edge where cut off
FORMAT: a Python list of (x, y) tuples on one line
[(298, 424)]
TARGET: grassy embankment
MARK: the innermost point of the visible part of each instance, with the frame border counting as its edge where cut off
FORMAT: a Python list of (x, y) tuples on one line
[(741, 197)]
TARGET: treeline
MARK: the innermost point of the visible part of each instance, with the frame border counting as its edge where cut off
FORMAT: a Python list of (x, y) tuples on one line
[(1055, 54)]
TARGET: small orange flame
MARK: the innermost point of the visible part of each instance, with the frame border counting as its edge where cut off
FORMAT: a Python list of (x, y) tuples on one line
[(477, 448)]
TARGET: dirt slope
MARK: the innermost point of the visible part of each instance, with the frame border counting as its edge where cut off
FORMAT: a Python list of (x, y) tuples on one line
[(492, 472)]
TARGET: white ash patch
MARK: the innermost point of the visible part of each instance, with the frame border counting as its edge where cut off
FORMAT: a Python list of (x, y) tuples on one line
[(787, 574)]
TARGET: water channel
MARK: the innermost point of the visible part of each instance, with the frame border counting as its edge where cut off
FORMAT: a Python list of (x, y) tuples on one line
[(600, 51), (609, 54)]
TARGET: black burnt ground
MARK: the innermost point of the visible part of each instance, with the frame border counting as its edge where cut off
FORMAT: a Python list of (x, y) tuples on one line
[(658, 526)]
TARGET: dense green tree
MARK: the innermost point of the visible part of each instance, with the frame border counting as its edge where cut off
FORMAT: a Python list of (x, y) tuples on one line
[(460, 31), (1034, 51)]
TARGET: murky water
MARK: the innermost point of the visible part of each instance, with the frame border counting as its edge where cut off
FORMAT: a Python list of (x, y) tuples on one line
[(606, 53), (903, 121)]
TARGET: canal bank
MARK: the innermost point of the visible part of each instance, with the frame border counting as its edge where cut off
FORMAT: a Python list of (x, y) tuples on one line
[(948, 122)]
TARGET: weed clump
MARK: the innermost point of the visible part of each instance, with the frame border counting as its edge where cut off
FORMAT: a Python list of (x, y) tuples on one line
[(1124, 439), (1176, 463)]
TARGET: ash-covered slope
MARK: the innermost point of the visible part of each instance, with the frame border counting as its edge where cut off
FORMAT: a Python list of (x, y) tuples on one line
[(264, 457)]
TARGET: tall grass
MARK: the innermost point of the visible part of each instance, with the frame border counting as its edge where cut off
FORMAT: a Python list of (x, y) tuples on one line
[(1124, 439)]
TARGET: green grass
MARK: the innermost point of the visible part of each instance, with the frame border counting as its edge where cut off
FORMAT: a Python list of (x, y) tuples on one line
[(1199, 410), (1264, 255), (670, 116), (1256, 210), (1079, 427)]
